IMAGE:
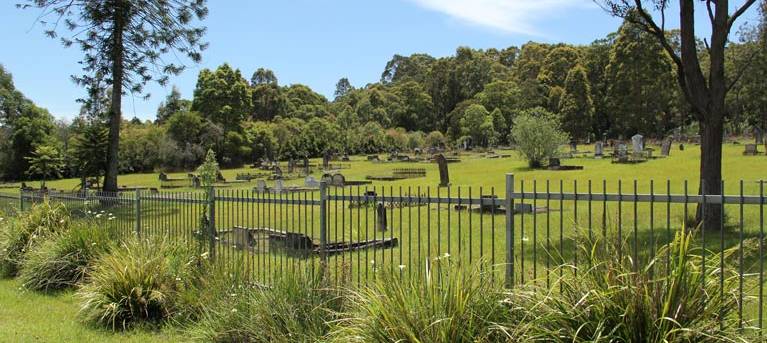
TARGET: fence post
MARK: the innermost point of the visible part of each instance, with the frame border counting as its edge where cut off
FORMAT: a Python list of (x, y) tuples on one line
[(138, 213), (212, 222), (323, 225), (21, 199), (509, 230)]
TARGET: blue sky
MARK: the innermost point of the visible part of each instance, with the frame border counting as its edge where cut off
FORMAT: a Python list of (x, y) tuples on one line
[(314, 42)]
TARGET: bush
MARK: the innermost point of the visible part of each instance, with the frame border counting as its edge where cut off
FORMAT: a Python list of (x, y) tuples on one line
[(26, 231), (537, 135), (64, 258), (298, 308), (609, 302), (137, 282), (450, 305)]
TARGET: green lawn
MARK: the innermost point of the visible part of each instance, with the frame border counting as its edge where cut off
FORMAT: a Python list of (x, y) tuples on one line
[(31, 317)]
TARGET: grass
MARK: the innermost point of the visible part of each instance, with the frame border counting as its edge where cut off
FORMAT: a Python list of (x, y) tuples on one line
[(32, 317)]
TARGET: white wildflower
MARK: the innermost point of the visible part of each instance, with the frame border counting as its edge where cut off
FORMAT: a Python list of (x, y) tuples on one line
[(401, 267), (234, 310)]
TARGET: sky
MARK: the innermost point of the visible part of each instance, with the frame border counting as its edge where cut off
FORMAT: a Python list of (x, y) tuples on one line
[(313, 42)]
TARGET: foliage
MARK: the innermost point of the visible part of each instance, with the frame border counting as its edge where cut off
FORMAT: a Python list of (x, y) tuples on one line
[(452, 304), (477, 123), (173, 103), (89, 149), (576, 106), (538, 135), (138, 281), (299, 307), (64, 258), (223, 96), (45, 162), (27, 231), (611, 302), (208, 171)]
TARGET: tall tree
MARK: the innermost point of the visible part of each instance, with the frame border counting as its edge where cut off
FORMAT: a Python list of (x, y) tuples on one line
[(126, 40), (576, 106), (173, 103), (263, 76), (223, 96), (706, 94), (343, 87)]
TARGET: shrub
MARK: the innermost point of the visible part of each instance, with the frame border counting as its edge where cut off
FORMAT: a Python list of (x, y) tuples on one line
[(452, 304), (136, 282), (609, 302), (537, 135), (64, 258), (26, 231), (298, 308)]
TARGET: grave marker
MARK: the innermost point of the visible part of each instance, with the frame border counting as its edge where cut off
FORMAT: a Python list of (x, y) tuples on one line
[(637, 141), (326, 160), (338, 180), (665, 148), (598, 149), (260, 186), (750, 150), (381, 219), (310, 181), (444, 177)]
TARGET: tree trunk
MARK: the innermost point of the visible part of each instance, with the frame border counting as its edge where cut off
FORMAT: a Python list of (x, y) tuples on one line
[(710, 215), (115, 114)]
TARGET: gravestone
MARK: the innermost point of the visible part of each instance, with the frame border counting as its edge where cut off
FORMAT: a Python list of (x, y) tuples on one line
[(621, 153), (758, 136), (326, 160), (291, 165), (196, 181), (345, 157), (665, 148), (163, 177), (598, 149), (554, 162), (260, 186), (311, 182), (681, 146), (444, 177), (637, 142), (750, 150), (278, 186), (327, 179), (277, 172), (306, 165), (573, 147), (338, 180), (417, 151), (523, 208), (381, 219), (243, 239)]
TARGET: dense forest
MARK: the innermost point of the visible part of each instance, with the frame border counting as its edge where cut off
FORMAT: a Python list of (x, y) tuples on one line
[(614, 87)]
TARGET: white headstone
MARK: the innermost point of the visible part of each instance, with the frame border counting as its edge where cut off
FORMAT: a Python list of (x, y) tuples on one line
[(310, 181), (278, 186), (260, 186), (598, 149), (638, 143)]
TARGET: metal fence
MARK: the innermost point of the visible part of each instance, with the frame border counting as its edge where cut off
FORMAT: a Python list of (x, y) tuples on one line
[(521, 233)]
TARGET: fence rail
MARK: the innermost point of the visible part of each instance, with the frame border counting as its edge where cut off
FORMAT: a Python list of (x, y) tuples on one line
[(354, 232)]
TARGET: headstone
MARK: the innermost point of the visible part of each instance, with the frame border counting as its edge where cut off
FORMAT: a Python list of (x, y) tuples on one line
[(598, 149), (163, 177), (758, 136), (338, 180), (260, 186), (523, 208), (554, 162), (637, 142), (326, 160), (417, 151), (291, 166), (196, 181), (381, 219), (277, 172), (681, 146), (327, 179), (573, 146), (750, 150), (311, 182), (665, 148), (306, 165), (444, 177), (345, 157), (278, 186)]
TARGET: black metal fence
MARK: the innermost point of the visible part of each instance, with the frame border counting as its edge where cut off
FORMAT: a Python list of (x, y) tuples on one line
[(521, 233)]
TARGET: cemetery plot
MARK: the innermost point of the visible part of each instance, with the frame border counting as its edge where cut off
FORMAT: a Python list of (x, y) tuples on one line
[(265, 240)]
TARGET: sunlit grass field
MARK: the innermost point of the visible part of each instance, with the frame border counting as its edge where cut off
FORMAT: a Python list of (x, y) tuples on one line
[(437, 230)]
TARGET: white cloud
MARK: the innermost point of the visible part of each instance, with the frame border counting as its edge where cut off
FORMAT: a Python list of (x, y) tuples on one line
[(510, 16)]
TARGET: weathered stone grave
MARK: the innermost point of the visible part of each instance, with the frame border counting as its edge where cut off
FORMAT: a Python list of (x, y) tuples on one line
[(444, 177), (599, 149), (338, 180), (260, 186), (665, 148), (381, 223), (751, 150), (311, 182)]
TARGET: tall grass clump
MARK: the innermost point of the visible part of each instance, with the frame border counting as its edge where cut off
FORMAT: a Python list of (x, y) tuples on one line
[(27, 230), (611, 302), (452, 304), (137, 282), (64, 258), (297, 307)]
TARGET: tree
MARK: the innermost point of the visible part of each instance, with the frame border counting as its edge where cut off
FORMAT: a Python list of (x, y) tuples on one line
[(263, 77), (343, 87), (45, 162), (223, 96), (706, 94), (477, 123), (640, 77), (89, 150), (557, 64), (125, 39), (576, 106), (173, 103), (538, 135)]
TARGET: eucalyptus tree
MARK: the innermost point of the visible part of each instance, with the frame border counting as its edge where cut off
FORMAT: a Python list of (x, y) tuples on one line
[(704, 91), (128, 43)]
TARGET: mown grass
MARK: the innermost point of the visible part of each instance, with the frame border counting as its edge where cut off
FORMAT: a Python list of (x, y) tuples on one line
[(26, 316)]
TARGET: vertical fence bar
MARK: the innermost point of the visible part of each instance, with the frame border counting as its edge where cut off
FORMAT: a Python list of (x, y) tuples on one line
[(323, 225), (761, 253), (212, 221), (138, 213), (509, 230), (21, 199)]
